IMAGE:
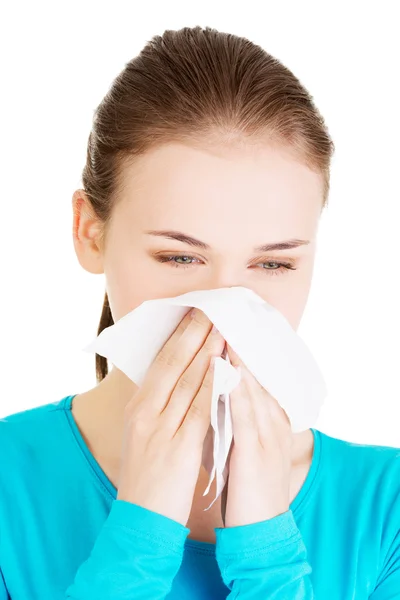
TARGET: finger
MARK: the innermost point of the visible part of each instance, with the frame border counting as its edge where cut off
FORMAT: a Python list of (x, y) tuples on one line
[(197, 419), (257, 398), (261, 402), (173, 359), (270, 414), (244, 426), (252, 381), (242, 410), (193, 381)]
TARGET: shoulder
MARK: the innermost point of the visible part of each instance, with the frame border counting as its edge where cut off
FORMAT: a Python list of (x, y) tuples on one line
[(16, 423), (27, 434), (369, 473), (360, 456)]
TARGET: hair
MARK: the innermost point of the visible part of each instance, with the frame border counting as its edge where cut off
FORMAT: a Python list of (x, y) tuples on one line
[(197, 85)]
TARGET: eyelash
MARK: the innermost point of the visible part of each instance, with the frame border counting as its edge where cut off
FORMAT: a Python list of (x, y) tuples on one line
[(283, 266)]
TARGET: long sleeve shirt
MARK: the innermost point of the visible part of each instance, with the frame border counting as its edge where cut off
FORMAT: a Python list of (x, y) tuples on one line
[(64, 535)]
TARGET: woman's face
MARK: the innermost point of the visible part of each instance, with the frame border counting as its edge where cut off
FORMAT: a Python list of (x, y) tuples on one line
[(226, 203)]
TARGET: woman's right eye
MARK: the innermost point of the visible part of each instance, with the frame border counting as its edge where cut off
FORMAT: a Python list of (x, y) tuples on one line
[(170, 260)]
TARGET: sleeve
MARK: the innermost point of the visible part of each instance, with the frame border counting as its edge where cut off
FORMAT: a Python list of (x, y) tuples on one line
[(136, 556), (269, 560)]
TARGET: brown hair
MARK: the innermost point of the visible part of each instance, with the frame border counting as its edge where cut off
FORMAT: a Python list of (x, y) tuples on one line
[(197, 84)]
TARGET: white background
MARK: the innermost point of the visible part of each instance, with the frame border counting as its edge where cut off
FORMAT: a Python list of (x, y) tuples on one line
[(57, 62)]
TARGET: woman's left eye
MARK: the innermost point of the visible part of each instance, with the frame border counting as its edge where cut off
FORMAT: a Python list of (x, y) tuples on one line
[(281, 266)]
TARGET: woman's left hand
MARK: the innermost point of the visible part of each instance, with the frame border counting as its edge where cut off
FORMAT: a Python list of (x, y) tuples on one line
[(260, 460)]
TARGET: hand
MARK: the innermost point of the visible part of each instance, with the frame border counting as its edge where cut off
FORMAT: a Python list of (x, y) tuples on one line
[(260, 460), (166, 421)]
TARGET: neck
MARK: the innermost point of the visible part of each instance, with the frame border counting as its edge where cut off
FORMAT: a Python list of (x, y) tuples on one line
[(116, 389)]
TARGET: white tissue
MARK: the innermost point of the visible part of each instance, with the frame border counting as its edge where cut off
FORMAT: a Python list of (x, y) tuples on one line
[(260, 335)]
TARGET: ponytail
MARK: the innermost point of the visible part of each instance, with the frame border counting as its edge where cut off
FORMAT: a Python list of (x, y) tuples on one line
[(106, 320)]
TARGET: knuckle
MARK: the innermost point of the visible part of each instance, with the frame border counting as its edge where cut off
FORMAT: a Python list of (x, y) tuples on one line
[(139, 425), (199, 319), (172, 359), (182, 325), (211, 344), (208, 381), (167, 359), (195, 412), (129, 410), (135, 414), (161, 357), (185, 382)]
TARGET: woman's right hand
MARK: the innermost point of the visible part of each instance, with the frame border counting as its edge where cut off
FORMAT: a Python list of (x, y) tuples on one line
[(167, 419)]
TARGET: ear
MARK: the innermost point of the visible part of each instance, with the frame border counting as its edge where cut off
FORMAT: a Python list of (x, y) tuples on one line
[(86, 231)]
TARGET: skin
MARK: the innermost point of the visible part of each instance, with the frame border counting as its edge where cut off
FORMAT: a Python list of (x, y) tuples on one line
[(233, 199)]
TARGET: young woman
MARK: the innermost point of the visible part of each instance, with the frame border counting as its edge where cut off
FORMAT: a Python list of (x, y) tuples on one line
[(207, 166)]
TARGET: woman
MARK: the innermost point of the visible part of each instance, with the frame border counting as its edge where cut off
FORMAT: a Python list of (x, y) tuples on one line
[(207, 166)]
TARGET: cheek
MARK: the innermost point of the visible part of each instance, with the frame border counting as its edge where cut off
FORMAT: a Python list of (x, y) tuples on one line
[(129, 283), (290, 299), (126, 284), (294, 306)]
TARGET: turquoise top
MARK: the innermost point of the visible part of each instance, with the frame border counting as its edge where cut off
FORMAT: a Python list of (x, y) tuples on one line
[(63, 534)]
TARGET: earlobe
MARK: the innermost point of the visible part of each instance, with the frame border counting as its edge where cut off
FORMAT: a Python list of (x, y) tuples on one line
[(86, 230)]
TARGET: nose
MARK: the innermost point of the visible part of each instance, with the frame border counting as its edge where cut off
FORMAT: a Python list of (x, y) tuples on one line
[(222, 278)]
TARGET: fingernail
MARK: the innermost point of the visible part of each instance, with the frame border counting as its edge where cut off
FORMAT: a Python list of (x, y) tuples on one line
[(214, 330), (192, 312)]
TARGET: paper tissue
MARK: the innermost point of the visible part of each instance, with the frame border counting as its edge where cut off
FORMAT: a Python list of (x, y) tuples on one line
[(260, 335)]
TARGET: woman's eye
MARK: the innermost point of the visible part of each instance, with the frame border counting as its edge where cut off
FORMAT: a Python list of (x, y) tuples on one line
[(276, 269)]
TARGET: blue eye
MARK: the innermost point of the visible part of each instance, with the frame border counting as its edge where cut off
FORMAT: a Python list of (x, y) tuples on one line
[(278, 270)]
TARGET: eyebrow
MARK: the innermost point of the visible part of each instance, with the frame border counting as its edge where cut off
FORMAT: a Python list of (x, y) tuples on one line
[(187, 239)]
